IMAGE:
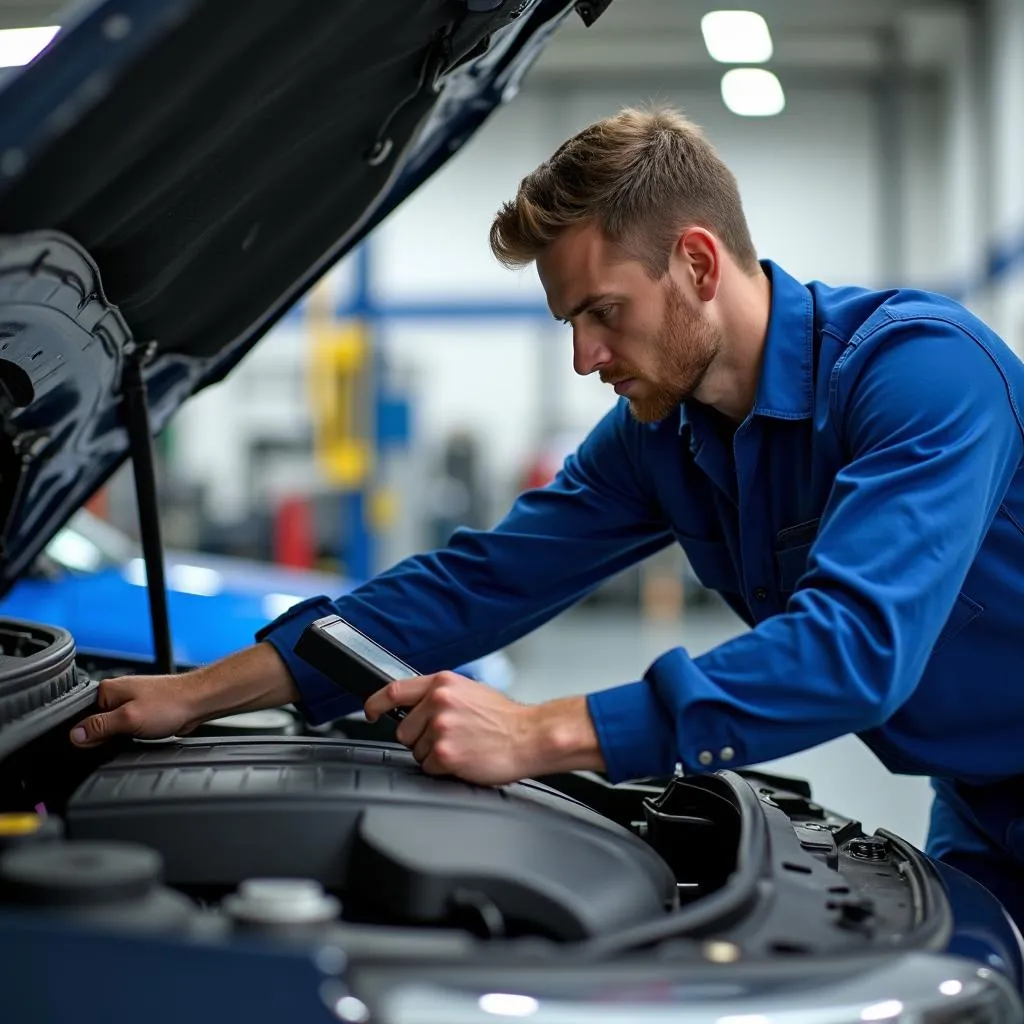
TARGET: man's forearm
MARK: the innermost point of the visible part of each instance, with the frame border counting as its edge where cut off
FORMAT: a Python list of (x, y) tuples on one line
[(250, 680)]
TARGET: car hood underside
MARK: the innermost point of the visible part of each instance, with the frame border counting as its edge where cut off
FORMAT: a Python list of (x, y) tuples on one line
[(174, 175)]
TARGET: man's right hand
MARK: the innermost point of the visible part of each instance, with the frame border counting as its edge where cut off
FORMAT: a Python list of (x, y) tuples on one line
[(152, 707)]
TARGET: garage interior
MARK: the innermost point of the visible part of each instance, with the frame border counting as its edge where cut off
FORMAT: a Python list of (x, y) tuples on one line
[(895, 160)]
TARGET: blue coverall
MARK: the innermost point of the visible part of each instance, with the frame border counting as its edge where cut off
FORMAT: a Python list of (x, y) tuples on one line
[(866, 520)]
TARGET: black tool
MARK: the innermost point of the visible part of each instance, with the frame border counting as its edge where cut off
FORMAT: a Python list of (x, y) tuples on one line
[(359, 665)]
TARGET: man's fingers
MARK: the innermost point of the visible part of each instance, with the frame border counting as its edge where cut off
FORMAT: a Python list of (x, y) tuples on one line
[(114, 692), (403, 693), (437, 761), (410, 729), (424, 745), (94, 730)]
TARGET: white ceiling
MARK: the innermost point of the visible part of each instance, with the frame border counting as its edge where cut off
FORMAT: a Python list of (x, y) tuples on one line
[(663, 36)]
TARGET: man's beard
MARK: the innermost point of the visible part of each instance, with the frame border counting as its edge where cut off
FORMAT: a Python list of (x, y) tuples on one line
[(684, 348)]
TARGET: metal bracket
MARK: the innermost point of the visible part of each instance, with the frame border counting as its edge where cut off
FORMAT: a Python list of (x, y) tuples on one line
[(590, 10)]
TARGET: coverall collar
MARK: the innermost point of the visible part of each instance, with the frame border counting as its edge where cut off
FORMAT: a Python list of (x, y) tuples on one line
[(786, 388)]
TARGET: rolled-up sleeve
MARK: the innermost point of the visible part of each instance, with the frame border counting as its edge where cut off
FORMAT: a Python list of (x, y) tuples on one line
[(933, 438), (487, 588)]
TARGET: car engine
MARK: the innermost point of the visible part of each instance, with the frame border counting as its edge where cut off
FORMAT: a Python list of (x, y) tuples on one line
[(281, 830)]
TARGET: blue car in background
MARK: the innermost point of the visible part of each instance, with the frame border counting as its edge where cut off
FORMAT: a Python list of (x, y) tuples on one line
[(92, 579)]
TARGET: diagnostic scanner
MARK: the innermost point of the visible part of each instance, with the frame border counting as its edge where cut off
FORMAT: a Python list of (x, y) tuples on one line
[(348, 657)]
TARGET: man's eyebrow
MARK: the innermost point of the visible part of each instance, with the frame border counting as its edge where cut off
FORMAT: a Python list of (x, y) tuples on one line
[(590, 300)]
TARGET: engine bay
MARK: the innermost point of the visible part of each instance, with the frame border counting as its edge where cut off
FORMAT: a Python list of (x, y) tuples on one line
[(260, 824)]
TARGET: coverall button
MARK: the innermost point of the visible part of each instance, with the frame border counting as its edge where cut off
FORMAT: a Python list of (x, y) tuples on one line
[(760, 594), (705, 757), (726, 754)]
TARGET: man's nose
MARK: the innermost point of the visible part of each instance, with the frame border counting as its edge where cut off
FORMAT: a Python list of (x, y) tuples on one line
[(588, 354)]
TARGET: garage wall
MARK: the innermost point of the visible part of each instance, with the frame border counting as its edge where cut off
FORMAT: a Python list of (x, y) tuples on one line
[(930, 261), (1004, 99)]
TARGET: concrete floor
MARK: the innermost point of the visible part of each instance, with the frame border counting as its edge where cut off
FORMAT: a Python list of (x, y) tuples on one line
[(595, 648)]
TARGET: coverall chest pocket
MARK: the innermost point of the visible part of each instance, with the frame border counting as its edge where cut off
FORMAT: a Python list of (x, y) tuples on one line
[(965, 610), (792, 546), (711, 563)]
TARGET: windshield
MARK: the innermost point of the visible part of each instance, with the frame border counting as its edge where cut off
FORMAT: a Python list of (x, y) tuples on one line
[(89, 544)]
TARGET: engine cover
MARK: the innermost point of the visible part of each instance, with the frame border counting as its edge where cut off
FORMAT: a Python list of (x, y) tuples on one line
[(365, 821)]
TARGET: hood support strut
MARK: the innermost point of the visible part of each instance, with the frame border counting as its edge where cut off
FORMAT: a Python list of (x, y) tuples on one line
[(136, 416)]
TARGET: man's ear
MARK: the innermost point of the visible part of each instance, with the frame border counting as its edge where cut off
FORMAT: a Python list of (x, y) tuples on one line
[(698, 255)]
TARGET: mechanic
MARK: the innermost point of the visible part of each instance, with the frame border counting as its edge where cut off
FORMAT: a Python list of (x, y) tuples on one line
[(842, 465)]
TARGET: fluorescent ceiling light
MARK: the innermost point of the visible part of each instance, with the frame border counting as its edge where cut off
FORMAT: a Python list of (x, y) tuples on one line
[(505, 1004), (737, 37), (882, 1011), (19, 45), (752, 92)]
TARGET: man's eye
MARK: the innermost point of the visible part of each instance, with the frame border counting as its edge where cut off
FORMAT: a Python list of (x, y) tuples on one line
[(601, 313)]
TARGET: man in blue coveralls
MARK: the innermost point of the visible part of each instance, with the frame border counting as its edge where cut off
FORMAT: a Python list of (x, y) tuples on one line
[(842, 465)]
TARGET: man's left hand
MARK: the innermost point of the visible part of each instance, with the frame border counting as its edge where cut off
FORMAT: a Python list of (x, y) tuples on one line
[(456, 726)]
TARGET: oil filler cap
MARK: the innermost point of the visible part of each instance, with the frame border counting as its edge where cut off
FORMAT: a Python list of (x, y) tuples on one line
[(868, 848), (84, 873)]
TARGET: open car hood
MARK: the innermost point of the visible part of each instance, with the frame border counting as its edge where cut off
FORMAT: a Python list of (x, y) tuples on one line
[(174, 174)]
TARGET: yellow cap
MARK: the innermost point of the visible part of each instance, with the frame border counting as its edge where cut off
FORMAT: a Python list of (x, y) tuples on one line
[(19, 824)]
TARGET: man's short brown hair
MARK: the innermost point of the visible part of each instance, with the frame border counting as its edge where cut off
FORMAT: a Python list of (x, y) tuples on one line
[(641, 176)]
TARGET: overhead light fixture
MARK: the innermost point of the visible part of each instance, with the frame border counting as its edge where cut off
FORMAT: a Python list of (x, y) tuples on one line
[(752, 92), (505, 1004), (737, 37), (20, 45)]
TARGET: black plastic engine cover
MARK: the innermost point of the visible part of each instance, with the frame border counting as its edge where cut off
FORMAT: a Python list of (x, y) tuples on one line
[(365, 821)]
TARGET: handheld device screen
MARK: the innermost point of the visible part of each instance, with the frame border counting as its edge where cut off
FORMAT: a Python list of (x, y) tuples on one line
[(365, 648)]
